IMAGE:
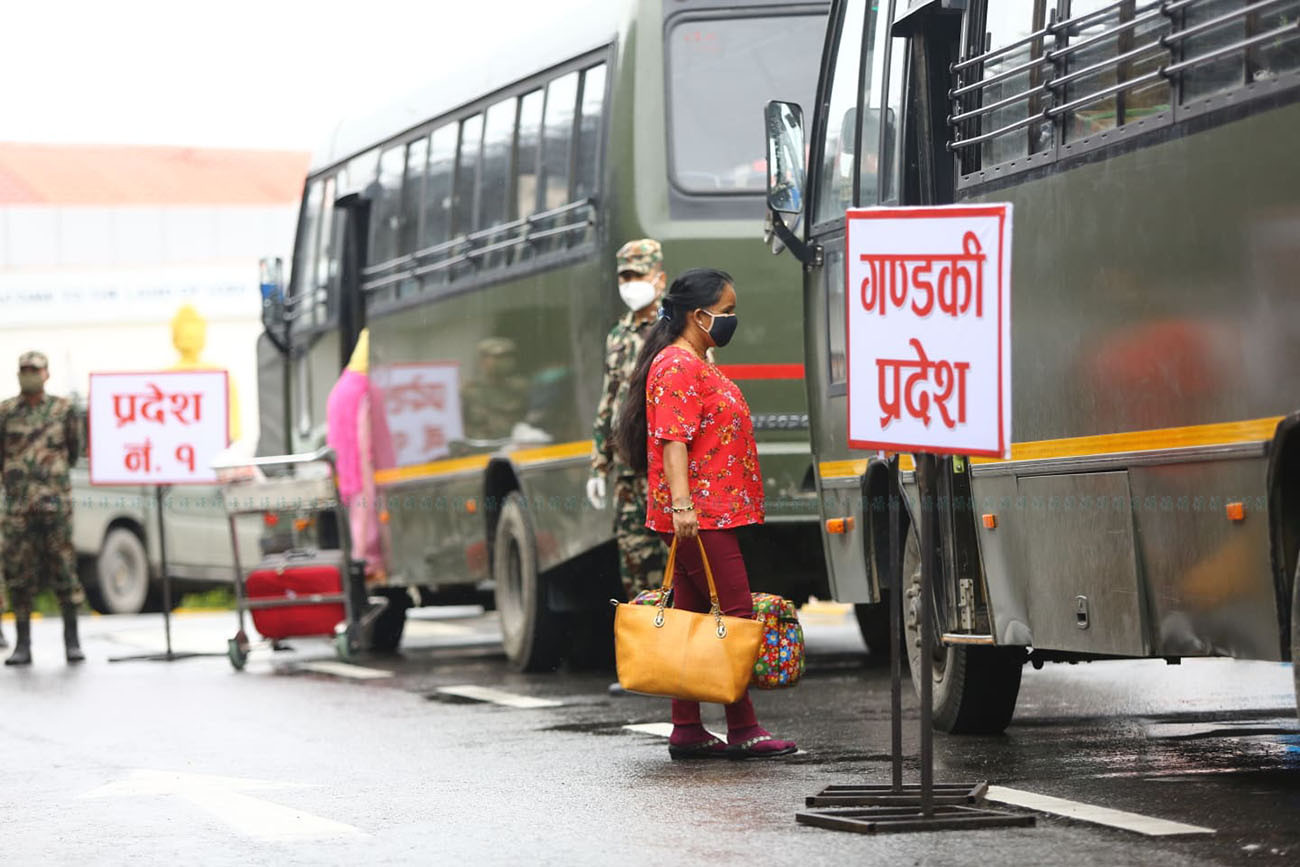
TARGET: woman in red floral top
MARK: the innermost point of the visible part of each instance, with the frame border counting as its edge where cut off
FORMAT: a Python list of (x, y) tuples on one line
[(694, 436)]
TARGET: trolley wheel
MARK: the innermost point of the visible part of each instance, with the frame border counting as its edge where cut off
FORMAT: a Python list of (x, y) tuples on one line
[(345, 644), (237, 650)]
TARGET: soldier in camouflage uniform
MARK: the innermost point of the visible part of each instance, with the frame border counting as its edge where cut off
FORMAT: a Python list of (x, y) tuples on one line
[(642, 282), (40, 439)]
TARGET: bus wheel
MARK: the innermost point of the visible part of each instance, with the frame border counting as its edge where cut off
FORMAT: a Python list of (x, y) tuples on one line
[(532, 634), (975, 688)]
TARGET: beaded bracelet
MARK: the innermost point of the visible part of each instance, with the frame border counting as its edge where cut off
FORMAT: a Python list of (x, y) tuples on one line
[(678, 509)]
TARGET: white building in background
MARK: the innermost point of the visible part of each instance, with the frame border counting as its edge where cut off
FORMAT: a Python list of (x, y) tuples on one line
[(101, 245)]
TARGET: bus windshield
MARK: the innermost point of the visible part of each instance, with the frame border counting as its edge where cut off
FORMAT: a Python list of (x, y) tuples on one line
[(721, 73)]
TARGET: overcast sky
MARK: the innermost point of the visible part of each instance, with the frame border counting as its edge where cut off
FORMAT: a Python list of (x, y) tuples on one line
[(233, 73)]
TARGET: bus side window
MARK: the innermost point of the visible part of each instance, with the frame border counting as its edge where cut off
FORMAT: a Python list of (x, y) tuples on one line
[(467, 162), (1263, 61), (303, 279), (327, 263), (557, 140), (439, 178), (891, 168), (529, 150), (386, 206), (1276, 56), (835, 179), (869, 161), (1007, 22), (1126, 105), (417, 157), (588, 161), (494, 176)]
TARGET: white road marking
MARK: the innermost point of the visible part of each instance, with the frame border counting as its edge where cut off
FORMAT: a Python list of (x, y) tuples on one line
[(152, 638), (1148, 825), (434, 629), (497, 696), (344, 669), (224, 797)]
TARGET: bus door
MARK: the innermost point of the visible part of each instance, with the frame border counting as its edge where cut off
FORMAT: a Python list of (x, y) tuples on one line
[(351, 226), (839, 179)]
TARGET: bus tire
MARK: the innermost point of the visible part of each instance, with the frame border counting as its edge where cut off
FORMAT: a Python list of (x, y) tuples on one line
[(533, 635), (975, 688), (1295, 634), (117, 580)]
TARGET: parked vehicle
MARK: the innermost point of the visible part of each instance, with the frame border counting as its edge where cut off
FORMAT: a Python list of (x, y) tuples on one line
[(1151, 503), (472, 229)]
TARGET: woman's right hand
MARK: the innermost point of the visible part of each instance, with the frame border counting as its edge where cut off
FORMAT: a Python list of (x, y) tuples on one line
[(686, 525)]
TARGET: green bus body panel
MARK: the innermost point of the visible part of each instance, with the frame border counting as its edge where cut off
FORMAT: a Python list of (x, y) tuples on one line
[(1157, 289)]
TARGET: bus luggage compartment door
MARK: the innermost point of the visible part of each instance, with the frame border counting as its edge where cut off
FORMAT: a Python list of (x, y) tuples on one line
[(1079, 563)]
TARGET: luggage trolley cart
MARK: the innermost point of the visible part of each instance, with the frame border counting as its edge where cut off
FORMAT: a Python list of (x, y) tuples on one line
[(323, 578)]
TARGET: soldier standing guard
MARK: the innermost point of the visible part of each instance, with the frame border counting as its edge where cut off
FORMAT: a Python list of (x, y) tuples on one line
[(40, 439), (642, 282)]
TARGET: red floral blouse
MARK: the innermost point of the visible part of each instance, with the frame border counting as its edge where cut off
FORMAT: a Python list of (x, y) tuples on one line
[(689, 400)]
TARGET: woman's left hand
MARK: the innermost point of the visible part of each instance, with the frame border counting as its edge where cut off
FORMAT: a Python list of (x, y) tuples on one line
[(686, 525)]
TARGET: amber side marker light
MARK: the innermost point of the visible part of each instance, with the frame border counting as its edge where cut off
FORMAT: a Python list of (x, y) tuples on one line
[(839, 526), (1236, 511), (990, 522)]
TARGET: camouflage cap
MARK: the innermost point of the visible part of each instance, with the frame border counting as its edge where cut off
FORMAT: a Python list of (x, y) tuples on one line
[(639, 257), (33, 359)]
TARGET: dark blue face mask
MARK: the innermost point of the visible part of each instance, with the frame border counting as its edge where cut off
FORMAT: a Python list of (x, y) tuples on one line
[(722, 327)]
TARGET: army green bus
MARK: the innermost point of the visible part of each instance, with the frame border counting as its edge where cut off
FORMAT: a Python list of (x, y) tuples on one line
[(1150, 505), (471, 227)]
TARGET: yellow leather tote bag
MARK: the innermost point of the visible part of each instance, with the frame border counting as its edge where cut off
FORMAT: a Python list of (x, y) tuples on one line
[(685, 654)]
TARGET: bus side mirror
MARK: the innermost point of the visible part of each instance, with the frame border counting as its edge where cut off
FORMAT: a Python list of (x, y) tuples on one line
[(785, 157), (271, 271)]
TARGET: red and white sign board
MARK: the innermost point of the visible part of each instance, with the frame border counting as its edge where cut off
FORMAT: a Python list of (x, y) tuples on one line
[(163, 428), (928, 294), (421, 406)]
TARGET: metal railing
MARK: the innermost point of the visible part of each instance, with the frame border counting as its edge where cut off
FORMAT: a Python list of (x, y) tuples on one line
[(1164, 42)]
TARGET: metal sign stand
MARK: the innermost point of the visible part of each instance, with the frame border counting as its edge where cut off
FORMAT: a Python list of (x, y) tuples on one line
[(169, 656), (902, 807)]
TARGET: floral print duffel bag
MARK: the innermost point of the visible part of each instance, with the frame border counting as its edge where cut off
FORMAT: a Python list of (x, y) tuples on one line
[(780, 660)]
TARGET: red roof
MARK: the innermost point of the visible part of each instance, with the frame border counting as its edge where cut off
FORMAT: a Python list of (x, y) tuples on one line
[(44, 174)]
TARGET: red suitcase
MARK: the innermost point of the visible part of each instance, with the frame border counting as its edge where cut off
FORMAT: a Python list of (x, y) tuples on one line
[(293, 575)]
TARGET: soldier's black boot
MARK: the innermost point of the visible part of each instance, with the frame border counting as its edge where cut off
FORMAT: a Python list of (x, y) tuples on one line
[(22, 654), (71, 645)]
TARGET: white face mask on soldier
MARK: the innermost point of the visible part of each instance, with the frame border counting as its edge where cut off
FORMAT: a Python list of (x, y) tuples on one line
[(637, 294)]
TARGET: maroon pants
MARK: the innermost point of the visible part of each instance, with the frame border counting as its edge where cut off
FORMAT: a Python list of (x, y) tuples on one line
[(691, 593)]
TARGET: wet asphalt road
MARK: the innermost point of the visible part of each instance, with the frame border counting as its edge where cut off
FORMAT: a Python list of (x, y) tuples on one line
[(294, 763)]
